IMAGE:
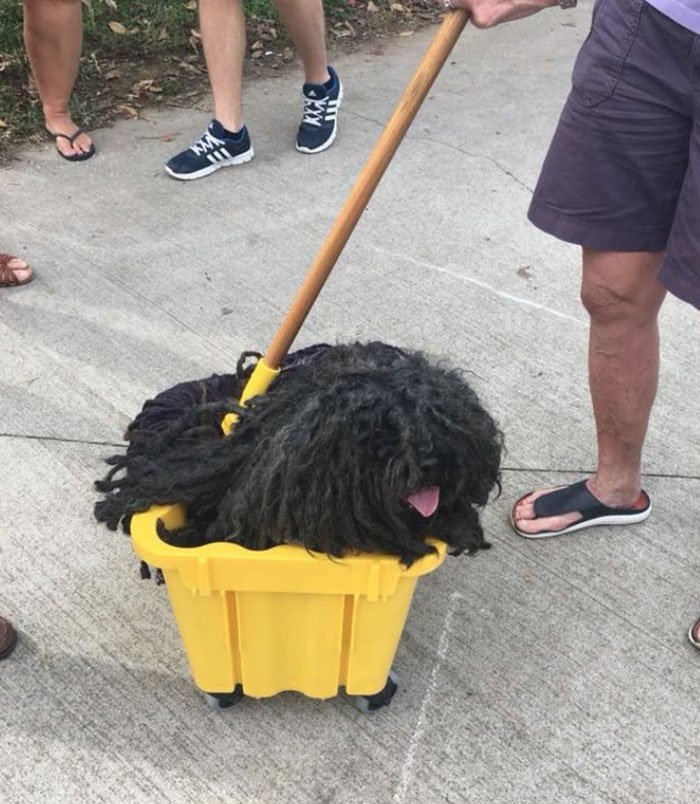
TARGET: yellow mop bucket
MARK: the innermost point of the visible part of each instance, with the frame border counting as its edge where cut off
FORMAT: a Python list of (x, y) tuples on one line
[(259, 622), (284, 618)]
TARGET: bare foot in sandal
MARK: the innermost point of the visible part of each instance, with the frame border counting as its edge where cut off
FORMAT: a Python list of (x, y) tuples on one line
[(13, 271), (553, 512), (72, 142)]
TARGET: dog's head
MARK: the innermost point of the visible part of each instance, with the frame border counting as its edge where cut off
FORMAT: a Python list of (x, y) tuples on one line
[(365, 447)]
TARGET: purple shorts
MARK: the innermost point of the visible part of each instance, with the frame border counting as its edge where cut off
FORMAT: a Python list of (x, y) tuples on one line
[(623, 169)]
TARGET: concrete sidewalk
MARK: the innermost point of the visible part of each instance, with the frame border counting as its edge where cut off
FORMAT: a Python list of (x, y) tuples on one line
[(553, 671)]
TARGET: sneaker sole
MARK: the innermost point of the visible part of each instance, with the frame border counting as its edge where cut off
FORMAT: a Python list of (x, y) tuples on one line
[(331, 139), (241, 159), (691, 637)]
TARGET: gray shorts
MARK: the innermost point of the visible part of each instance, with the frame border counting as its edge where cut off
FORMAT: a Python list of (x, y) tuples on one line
[(623, 170)]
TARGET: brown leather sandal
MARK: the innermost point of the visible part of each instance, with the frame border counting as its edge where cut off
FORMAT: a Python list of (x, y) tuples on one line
[(8, 638), (8, 276)]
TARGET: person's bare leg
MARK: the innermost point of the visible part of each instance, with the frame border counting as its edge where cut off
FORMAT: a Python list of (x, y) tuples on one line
[(53, 37), (222, 25), (304, 21), (623, 297)]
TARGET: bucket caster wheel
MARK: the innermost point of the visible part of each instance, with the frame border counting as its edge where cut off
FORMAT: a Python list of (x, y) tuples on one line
[(371, 703), (224, 700)]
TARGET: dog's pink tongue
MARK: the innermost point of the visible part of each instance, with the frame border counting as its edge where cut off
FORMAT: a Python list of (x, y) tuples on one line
[(425, 500)]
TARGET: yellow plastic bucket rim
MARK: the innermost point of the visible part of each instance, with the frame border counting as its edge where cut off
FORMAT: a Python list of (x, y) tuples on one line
[(152, 549)]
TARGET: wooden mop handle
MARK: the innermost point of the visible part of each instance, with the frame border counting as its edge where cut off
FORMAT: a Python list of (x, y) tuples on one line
[(409, 104)]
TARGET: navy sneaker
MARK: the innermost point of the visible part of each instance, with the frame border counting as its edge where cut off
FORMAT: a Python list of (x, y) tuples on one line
[(320, 122), (212, 151)]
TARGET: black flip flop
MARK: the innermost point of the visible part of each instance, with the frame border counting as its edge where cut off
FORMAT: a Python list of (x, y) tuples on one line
[(577, 497), (71, 139)]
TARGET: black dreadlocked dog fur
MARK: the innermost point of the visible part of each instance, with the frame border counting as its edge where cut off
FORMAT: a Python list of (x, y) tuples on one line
[(327, 458)]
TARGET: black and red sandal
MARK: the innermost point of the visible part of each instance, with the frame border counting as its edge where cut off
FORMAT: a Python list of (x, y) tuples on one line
[(577, 497)]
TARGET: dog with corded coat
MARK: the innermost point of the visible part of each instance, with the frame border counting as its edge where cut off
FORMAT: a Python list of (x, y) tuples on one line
[(353, 448)]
